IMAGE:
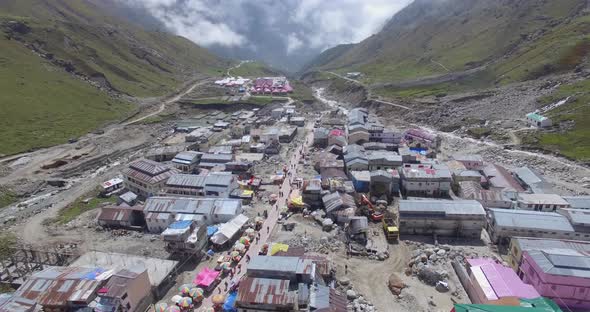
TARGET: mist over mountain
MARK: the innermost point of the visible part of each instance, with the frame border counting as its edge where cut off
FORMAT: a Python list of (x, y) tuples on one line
[(284, 34)]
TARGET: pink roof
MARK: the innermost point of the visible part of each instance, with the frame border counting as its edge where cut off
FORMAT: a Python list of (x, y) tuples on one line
[(205, 277), (498, 281), (336, 132)]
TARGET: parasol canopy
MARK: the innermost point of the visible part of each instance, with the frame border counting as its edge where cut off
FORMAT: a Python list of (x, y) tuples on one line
[(176, 298), (226, 266), (172, 309), (207, 309), (185, 302), (244, 240), (161, 307), (196, 293), (184, 289), (239, 247), (218, 299), (234, 254), (258, 220)]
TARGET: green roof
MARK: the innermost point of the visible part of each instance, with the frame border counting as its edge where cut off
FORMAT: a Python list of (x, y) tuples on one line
[(536, 116), (526, 305)]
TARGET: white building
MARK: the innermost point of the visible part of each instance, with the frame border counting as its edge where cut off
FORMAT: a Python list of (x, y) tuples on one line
[(187, 161), (541, 202), (146, 177), (538, 121), (423, 180)]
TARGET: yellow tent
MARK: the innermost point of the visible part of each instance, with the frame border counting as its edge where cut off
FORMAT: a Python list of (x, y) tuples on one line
[(247, 192), (276, 247)]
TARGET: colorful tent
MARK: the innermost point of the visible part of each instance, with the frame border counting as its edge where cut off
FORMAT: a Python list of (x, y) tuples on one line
[(185, 302), (196, 294), (176, 298), (230, 302), (173, 309), (161, 307), (276, 247), (205, 277), (184, 289)]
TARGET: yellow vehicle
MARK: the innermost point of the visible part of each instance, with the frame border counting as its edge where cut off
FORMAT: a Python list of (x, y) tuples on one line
[(390, 228)]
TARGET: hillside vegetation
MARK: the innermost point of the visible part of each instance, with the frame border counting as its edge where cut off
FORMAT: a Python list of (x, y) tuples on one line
[(510, 40), (49, 47)]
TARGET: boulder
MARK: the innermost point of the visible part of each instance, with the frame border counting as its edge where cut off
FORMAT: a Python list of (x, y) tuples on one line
[(441, 252), (344, 281), (350, 294)]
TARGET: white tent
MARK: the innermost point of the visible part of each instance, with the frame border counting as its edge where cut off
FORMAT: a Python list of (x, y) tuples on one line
[(229, 230)]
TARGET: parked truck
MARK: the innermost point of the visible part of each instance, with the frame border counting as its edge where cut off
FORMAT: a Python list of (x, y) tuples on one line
[(390, 228)]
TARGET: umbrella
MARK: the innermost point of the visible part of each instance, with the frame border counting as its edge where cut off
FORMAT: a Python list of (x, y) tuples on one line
[(207, 309), (258, 220), (173, 309), (250, 231), (185, 302), (239, 247), (244, 240), (161, 307), (234, 254), (196, 294), (184, 289), (176, 298), (218, 299), (226, 266)]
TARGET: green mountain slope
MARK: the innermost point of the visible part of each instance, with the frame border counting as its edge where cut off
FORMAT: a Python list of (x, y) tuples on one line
[(49, 47), (513, 39)]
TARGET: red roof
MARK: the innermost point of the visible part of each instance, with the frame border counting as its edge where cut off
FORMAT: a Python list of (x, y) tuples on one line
[(336, 132)]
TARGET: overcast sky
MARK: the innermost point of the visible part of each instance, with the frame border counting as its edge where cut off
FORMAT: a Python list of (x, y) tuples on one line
[(245, 27)]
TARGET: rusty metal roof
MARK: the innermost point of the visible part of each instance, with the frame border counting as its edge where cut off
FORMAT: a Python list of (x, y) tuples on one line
[(55, 287), (265, 291), (148, 171), (114, 214), (17, 304)]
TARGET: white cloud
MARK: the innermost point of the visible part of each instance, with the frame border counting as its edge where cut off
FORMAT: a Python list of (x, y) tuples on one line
[(293, 43)]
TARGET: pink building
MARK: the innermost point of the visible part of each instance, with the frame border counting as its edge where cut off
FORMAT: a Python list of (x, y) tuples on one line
[(560, 274), (490, 282)]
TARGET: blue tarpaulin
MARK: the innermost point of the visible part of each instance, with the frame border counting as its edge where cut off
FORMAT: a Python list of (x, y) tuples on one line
[(230, 302), (211, 230), (92, 275), (180, 225)]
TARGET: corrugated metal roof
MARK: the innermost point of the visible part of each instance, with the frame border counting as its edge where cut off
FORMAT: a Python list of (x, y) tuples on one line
[(267, 263), (265, 291), (563, 262), (426, 173), (120, 214), (202, 206), (542, 199), (545, 221), (217, 158), (578, 202), (56, 286), (219, 179), (187, 156), (186, 180), (579, 217), (148, 171), (443, 207), (531, 243), (17, 304)]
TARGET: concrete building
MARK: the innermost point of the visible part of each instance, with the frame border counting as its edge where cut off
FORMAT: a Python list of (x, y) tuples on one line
[(560, 275), (312, 193), (504, 224), (160, 212), (287, 134), (320, 137), (424, 180), (492, 198), (422, 138), (518, 245), (127, 290), (277, 113), (185, 185), (121, 217), (209, 160), (541, 202), (538, 121), (146, 177), (297, 121), (384, 183), (499, 177), (187, 161), (382, 160), (579, 218), (361, 180), (357, 164), (456, 218), (471, 162), (185, 238), (358, 137)]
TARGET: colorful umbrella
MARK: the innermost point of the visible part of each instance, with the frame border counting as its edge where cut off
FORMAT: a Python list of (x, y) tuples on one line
[(184, 289), (245, 240), (226, 266), (218, 299), (234, 254), (173, 309), (176, 298), (207, 309), (196, 294), (239, 247), (161, 307), (185, 302), (250, 231)]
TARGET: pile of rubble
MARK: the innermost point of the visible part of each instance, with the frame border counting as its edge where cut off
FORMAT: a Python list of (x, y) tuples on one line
[(356, 301), (324, 245)]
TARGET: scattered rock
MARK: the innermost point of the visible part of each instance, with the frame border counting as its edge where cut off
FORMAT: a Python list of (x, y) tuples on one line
[(351, 294)]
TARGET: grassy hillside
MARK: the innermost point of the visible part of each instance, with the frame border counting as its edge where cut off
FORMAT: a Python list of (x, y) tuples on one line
[(46, 44), (254, 69), (517, 39), (43, 106)]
